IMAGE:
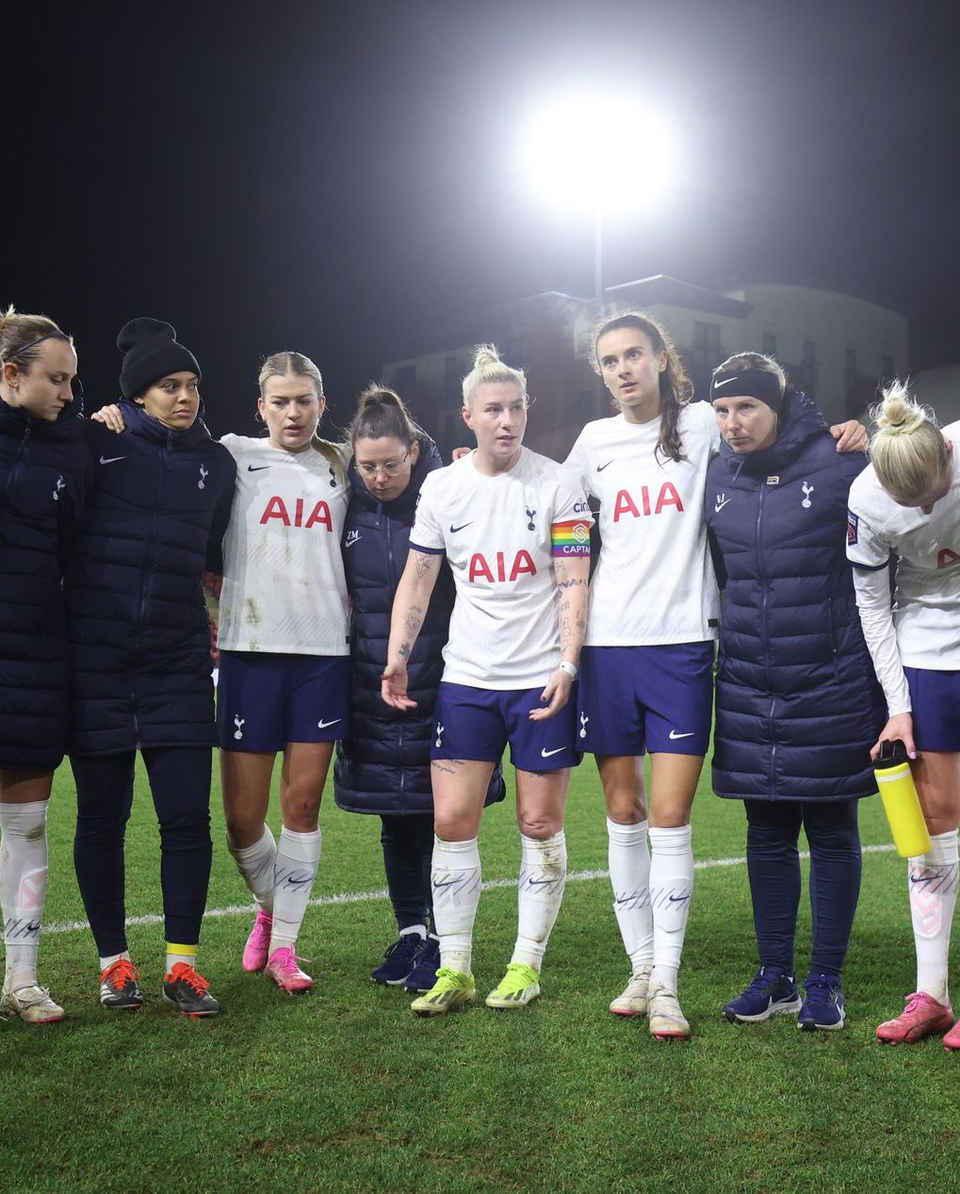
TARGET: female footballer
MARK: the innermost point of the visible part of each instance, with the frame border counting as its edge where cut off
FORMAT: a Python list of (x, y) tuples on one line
[(514, 527), (284, 653), (646, 670), (140, 656), (45, 473), (906, 506)]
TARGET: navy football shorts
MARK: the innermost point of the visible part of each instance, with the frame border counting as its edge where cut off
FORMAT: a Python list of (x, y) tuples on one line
[(477, 723), (637, 699), (265, 701)]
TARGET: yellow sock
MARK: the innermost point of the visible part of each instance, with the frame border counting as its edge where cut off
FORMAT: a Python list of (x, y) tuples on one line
[(180, 953)]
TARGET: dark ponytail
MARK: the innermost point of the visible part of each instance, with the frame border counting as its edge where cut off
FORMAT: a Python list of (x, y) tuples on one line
[(676, 389), (381, 412)]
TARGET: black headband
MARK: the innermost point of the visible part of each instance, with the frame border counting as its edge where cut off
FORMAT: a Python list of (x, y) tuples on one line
[(57, 335), (748, 383)]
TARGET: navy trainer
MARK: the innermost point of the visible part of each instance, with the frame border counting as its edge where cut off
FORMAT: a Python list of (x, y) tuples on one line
[(771, 993), (398, 961), (424, 974), (822, 1004)]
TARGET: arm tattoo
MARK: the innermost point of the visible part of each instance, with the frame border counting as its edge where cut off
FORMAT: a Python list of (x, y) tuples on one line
[(424, 561), (567, 584), (404, 651)]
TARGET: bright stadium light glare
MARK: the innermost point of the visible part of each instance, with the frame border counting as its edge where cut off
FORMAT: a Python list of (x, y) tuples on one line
[(602, 153)]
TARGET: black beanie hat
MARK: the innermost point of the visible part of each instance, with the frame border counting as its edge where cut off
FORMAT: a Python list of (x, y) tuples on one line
[(150, 351)]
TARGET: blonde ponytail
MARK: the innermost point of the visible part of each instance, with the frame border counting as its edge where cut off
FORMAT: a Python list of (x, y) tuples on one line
[(489, 368), (908, 452)]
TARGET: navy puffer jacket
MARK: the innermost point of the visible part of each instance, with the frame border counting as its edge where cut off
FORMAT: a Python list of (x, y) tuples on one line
[(45, 472), (139, 631), (384, 766), (797, 703)]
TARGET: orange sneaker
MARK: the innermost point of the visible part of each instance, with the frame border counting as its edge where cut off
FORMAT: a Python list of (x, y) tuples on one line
[(120, 986), (185, 989)]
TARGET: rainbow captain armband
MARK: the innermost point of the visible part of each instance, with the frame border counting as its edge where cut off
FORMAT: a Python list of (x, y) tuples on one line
[(570, 538)]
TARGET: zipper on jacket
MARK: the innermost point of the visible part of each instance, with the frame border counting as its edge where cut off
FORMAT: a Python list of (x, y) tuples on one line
[(146, 573), (763, 642), (391, 575), (833, 639)]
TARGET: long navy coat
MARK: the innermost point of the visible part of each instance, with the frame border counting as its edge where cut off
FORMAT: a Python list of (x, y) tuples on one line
[(139, 630), (45, 472), (797, 702), (384, 766)]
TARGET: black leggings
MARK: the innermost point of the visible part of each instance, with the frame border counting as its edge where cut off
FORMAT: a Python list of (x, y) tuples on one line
[(773, 863), (407, 854), (180, 784)]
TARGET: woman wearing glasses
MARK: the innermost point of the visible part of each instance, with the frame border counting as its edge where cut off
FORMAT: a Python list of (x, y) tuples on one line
[(45, 473), (384, 766)]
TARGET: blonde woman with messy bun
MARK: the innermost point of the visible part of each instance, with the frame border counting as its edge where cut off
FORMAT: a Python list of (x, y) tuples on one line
[(515, 529), (905, 509)]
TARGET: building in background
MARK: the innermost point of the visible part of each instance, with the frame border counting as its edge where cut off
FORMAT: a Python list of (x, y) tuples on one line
[(836, 347), (939, 388)]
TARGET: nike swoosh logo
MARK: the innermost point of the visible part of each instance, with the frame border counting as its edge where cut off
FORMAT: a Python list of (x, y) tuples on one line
[(448, 883), (674, 735), (453, 529), (601, 467), (718, 385), (677, 899), (256, 468), (540, 882), (719, 506), (350, 542), (322, 725), (545, 754), (111, 459)]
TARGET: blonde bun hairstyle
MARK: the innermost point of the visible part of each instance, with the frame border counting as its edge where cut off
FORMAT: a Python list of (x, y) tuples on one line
[(489, 368), (908, 451)]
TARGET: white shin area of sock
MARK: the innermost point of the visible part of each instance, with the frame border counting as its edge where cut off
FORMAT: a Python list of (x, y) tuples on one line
[(671, 886), (629, 861), (932, 884), (543, 876), (294, 870), (455, 877), (256, 864), (23, 885)]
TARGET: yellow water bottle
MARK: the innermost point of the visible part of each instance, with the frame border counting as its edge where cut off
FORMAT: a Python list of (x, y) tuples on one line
[(900, 802)]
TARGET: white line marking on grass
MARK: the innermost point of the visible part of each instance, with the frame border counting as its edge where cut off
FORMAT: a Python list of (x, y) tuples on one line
[(365, 897)]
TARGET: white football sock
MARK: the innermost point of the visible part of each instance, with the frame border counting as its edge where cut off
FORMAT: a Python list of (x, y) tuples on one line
[(932, 883), (295, 868), (106, 961), (23, 886), (629, 862), (671, 886), (256, 864), (455, 877), (543, 875)]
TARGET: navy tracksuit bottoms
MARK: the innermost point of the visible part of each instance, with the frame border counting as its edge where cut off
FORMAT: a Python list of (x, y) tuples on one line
[(180, 783), (773, 864)]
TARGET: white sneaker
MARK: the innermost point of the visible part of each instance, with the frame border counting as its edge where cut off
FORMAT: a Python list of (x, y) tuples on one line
[(667, 1021), (31, 1003), (632, 1000)]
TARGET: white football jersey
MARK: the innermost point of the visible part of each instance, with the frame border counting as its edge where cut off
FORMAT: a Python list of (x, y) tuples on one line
[(927, 597), (284, 589), (654, 582), (499, 534)]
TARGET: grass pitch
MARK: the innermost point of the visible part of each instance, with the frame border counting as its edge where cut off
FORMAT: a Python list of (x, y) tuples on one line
[(344, 1089)]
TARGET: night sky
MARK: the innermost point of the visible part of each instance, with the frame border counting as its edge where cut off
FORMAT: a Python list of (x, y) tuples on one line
[(338, 178)]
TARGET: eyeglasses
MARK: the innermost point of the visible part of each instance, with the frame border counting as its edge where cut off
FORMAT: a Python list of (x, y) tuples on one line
[(390, 467)]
